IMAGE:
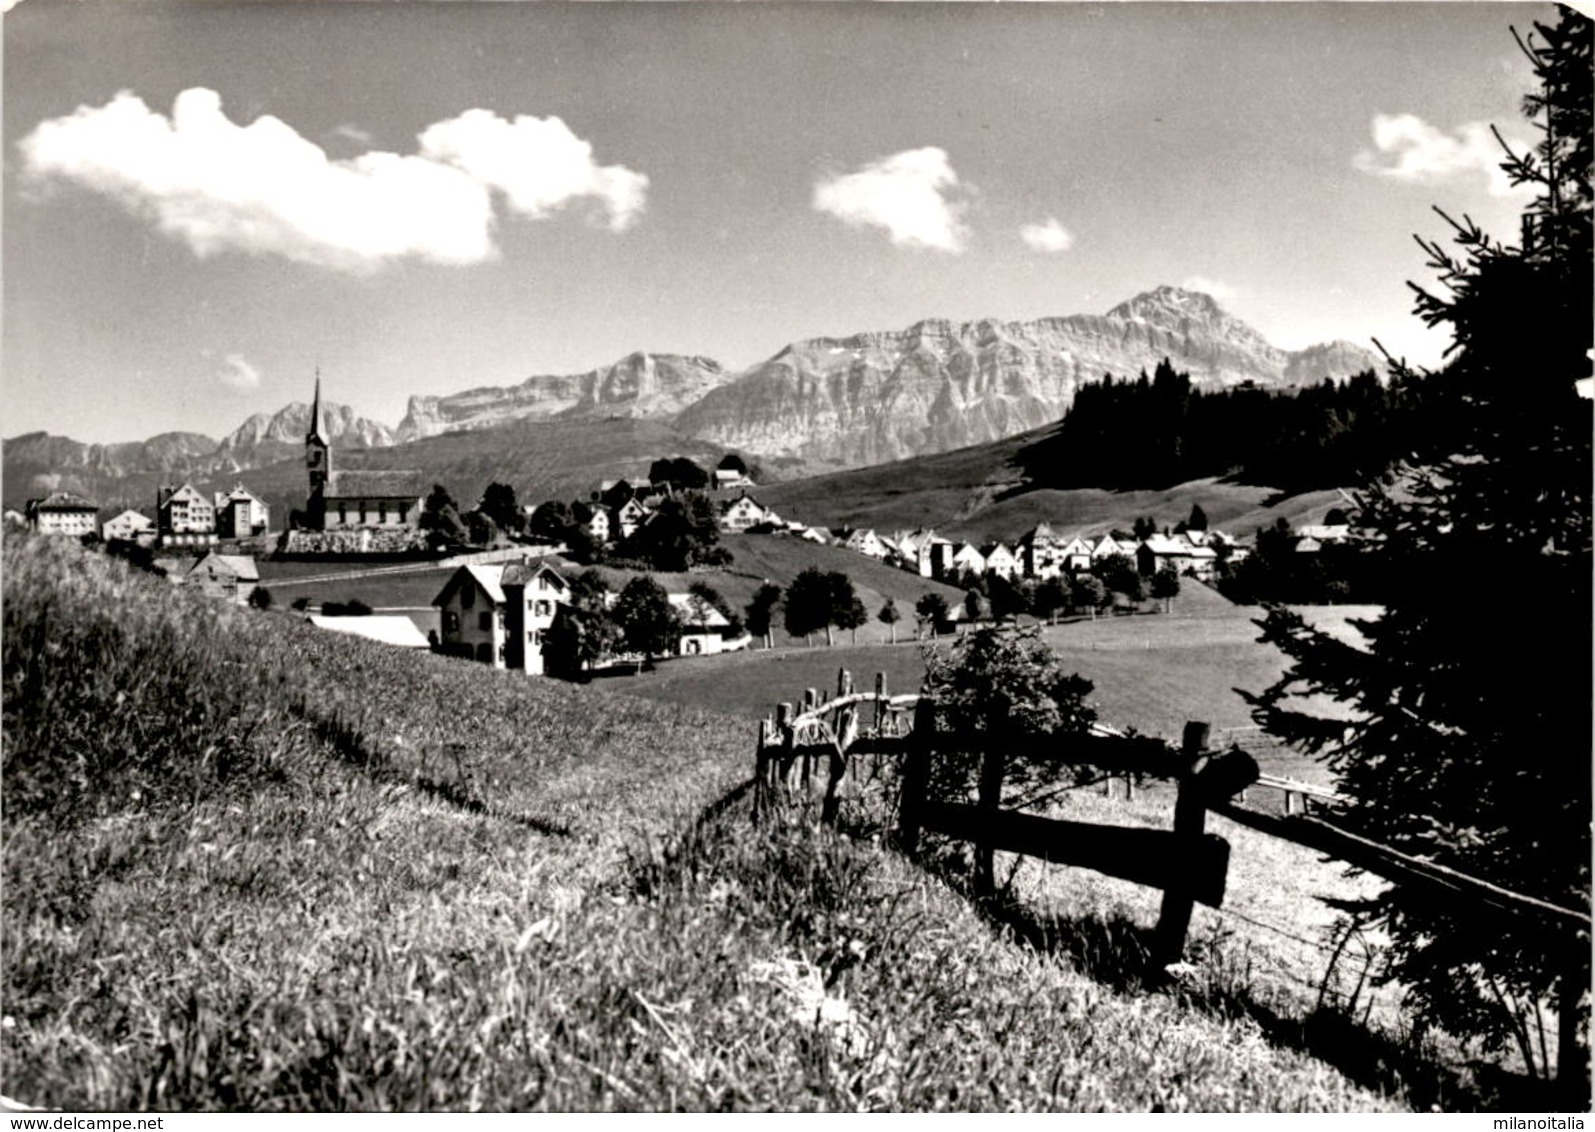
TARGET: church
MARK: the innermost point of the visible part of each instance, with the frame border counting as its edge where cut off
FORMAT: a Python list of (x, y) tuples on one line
[(356, 500)]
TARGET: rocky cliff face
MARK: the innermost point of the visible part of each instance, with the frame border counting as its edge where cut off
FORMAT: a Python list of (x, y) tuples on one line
[(288, 425), (641, 386), (940, 385)]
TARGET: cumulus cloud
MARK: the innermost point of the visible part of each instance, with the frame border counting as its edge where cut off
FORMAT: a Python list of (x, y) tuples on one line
[(1049, 236), (1406, 148), (538, 164), (1219, 290), (237, 373), (910, 194), (263, 189)]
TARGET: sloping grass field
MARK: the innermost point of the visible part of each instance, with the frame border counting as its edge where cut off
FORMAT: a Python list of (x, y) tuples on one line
[(251, 866)]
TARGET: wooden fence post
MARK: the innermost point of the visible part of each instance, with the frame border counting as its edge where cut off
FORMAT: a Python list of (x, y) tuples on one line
[(1190, 819), (811, 700), (785, 734), (916, 777), (761, 770), (880, 702), (846, 732), (993, 764)]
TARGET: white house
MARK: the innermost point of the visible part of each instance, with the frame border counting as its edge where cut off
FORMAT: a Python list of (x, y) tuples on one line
[(703, 627), (863, 541), (185, 517), (1041, 552), (967, 558), (63, 513), (1000, 561), (241, 513), (498, 613), (129, 526), (743, 512)]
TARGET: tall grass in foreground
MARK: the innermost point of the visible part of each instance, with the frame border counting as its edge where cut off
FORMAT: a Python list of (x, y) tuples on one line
[(281, 873)]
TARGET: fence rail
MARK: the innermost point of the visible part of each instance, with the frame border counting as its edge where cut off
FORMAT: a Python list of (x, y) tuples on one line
[(1188, 863)]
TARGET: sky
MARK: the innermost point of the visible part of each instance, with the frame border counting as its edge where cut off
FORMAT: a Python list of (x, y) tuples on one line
[(205, 202)]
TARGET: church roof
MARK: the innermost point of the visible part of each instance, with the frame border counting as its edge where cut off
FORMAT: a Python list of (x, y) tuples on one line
[(374, 485)]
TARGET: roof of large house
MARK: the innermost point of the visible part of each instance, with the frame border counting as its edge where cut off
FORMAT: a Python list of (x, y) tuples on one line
[(374, 485), (130, 513), (520, 573), (489, 578), (991, 548), (390, 630), (241, 565), (65, 501)]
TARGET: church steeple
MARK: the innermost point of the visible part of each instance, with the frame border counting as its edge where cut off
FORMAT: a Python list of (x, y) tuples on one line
[(318, 452)]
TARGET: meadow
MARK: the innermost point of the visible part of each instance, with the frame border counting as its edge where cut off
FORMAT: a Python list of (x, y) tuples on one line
[(251, 866)]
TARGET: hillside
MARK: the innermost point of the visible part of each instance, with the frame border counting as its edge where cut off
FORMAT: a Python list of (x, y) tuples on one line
[(981, 492), (395, 881)]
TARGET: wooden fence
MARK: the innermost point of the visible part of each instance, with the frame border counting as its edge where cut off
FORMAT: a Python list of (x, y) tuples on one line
[(1188, 863)]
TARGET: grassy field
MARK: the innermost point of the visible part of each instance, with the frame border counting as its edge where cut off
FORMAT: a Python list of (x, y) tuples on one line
[(250, 866), (1151, 672)]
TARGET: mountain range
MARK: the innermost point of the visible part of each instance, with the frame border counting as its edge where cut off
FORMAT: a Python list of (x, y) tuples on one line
[(821, 403)]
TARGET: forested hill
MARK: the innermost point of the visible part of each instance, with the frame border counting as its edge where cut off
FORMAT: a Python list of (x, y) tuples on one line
[(1153, 432)]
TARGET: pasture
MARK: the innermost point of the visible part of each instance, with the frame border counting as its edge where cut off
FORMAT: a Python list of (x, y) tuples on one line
[(349, 877)]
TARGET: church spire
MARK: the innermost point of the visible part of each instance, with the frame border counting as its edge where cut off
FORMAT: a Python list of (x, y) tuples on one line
[(315, 413)]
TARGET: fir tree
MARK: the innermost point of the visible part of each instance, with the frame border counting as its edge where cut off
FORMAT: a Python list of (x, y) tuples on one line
[(1472, 735)]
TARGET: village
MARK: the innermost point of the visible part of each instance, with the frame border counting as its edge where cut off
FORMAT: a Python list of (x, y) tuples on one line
[(510, 601)]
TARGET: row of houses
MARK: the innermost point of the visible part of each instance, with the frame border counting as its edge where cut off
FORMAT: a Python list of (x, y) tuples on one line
[(185, 516), (1040, 553)]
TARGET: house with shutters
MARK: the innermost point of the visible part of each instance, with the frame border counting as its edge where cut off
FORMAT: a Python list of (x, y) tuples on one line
[(498, 613), (184, 516), (241, 513), (1177, 553), (63, 513), (743, 512)]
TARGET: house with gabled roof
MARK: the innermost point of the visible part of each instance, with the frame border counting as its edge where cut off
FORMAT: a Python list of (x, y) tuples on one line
[(966, 558), (1175, 552), (1107, 546), (1041, 552), (497, 613), (703, 627), (63, 513), (233, 577), (863, 541), (129, 526), (594, 518), (743, 512), (185, 516), (626, 518), (1000, 561), (241, 513)]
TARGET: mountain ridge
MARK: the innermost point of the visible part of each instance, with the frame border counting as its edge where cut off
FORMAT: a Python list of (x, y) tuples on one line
[(829, 402)]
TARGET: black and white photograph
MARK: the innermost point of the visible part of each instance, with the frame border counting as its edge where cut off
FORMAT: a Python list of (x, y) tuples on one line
[(795, 557)]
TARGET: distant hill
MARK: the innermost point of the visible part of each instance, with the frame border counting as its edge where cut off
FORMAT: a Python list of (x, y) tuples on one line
[(983, 491)]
